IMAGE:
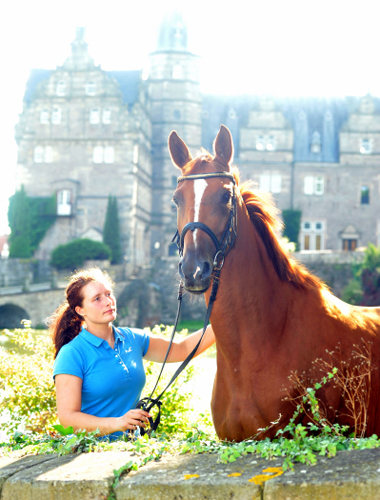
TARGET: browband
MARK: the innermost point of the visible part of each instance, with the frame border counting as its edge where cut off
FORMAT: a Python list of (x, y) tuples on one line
[(205, 176)]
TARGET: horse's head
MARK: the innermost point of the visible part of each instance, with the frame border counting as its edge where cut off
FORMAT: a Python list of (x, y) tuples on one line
[(205, 200)]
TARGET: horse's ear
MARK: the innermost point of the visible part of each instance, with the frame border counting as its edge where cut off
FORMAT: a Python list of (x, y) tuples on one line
[(223, 147), (178, 150)]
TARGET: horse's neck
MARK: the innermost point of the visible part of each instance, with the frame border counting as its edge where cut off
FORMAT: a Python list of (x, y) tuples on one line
[(251, 298)]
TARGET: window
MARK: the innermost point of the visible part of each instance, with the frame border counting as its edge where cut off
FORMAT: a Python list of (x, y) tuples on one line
[(270, 182), (312, 235), (349, 244), (365, 146), (135, 154), (260, 143), (61, 88), (44, 116), (38, 154), (43, 154), (364, 195), (90, 88), (56, 115), (48, 154), (106, 116), (316, 142), (232, 114), (313, 185), (94, 116), (64, 202), (97, 154), (109, 154), (267, 142), (270, 143)]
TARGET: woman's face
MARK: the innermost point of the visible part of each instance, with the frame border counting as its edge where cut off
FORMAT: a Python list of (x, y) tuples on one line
[(99, 304)]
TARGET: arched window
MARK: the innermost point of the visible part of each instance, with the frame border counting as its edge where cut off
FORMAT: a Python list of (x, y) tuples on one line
[(315, 142)]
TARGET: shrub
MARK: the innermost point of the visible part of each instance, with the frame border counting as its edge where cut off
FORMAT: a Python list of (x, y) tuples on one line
[(292, 222), (111, 230), (73, 254), (29, 394)]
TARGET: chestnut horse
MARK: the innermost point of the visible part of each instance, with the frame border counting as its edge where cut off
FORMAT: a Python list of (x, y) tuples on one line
[(271, 317)]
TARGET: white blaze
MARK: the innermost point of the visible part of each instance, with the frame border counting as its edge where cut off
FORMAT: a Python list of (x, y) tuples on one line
[(199, 189)]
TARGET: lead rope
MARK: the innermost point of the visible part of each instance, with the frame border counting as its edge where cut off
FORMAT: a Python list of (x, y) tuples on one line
[(148, 403)]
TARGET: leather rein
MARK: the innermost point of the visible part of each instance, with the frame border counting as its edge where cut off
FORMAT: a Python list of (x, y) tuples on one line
[(223, 246)]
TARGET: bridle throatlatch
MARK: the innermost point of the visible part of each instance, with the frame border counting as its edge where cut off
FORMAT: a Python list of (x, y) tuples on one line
[(223, 246)]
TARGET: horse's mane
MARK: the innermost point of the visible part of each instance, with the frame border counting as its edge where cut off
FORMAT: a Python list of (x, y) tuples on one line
[(265, 217)]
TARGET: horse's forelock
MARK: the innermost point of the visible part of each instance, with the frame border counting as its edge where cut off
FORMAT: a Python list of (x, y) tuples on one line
[(265, 217), (196, 162)]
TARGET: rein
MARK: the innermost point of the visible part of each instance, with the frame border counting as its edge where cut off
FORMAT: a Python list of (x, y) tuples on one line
[(223, 246)]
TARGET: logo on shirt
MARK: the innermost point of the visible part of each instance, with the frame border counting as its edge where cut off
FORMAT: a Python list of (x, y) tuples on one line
[(128, 350)]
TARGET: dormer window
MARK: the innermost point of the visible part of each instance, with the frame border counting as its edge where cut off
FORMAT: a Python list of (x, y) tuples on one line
[(365, 146), (364, 195), (64, 202), (316, 143), (61, 88), (90, 88)]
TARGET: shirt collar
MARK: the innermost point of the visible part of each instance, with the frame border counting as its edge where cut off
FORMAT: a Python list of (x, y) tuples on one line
[(93, 339), (119, 337)]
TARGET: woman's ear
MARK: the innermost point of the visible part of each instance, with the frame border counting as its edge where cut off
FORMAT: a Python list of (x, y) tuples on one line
[(79, 311)]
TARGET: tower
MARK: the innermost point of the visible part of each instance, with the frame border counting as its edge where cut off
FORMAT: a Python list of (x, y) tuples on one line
[(175, 100)]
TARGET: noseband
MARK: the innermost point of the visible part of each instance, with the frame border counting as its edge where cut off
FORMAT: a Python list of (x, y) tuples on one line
[(227, 240)]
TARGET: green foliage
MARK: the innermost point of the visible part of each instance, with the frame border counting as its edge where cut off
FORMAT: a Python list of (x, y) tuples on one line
[(29, 394), (111, 230), (292, 222), (20, 223), (73, 254), (352, 292), (372, 258), (29, 219)]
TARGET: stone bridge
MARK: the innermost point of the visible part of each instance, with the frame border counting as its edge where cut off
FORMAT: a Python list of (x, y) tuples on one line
[(138, 304)]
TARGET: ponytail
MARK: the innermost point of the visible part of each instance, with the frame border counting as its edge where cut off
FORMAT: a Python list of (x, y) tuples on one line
[(65, 326)]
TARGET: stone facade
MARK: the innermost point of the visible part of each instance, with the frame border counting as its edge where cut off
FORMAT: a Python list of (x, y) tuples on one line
[(86, 133)]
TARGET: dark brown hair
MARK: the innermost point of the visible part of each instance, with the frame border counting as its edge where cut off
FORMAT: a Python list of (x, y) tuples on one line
[(65, 324)]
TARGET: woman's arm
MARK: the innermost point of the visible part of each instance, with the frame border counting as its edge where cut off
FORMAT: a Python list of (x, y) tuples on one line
[(69, 390), (181, 349)]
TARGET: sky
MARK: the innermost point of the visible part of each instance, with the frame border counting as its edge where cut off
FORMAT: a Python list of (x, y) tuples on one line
[(268, 47)]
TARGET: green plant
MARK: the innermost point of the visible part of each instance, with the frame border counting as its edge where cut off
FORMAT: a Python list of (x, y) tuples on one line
[(29, 219), (29, 394), (372, 258), (111, 230), (73, 254), (352, 293), (292, 223)]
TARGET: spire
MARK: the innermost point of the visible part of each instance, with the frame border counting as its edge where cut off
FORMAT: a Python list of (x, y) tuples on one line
[(79, 58), (173, 33)]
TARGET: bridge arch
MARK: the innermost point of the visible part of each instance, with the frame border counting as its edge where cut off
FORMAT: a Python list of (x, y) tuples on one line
[(11, 316)]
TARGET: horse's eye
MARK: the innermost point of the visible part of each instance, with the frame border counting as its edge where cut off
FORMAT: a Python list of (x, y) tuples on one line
[(226, 197)]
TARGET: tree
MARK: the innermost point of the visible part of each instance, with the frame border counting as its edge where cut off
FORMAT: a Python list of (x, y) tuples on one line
[(20, 223), (73, 254), (292, 222), (111, 230)]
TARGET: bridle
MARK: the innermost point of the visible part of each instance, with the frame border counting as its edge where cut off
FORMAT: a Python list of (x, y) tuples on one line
[(223, 246), (227, 240)]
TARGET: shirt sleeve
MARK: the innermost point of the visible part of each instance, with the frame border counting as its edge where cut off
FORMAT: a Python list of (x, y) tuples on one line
[(68, 362)]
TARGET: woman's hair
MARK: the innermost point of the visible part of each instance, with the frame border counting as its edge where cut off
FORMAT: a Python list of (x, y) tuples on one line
[(65, 324)]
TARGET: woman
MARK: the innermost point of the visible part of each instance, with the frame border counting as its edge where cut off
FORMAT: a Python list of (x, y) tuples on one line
[(98, 369)]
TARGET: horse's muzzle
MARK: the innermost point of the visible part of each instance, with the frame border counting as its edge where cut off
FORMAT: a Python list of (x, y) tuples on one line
[(196, 277)]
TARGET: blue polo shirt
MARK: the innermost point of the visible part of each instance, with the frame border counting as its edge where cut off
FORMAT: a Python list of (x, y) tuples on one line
[(113, 379)]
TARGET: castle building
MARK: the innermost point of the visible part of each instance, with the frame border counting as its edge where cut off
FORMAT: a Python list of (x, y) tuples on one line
[(85, 134)]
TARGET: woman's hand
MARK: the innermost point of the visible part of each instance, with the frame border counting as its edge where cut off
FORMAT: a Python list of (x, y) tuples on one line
[(133, 419)]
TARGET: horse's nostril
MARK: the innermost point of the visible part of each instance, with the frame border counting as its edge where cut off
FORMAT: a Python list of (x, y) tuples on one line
[(206, 270)]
